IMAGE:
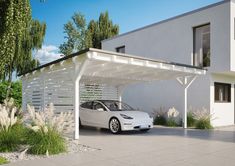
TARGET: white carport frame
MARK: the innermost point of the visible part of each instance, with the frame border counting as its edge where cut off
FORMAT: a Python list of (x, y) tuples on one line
[(104, 67)]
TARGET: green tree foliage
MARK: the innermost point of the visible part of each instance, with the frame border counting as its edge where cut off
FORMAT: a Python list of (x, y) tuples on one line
[(75, 31), (79, 35), (20, 34), (15, 92)]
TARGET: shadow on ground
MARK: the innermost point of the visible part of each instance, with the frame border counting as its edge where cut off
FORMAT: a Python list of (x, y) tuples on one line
[(216, 135)]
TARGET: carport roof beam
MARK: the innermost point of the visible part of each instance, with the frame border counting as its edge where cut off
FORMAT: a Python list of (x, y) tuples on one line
[(98, 58)]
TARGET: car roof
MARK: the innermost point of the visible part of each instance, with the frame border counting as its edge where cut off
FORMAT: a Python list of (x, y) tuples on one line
[(100, 100)]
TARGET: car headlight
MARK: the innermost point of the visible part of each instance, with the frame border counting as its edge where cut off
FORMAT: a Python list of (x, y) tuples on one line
[(125, 116)]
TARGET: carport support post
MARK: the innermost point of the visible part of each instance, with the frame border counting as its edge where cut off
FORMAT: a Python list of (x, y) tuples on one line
[(185, 107), (76, 107), (186, 82), (79, 70)]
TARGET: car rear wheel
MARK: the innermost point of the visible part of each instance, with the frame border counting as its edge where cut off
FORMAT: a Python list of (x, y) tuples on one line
[(114, 126)]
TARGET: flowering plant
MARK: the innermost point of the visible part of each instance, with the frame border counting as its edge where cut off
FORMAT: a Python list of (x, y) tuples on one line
[(46, 119), (172, 113), (7, 115)]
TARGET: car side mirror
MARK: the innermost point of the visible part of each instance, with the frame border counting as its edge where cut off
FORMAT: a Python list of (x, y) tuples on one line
[(100, 109)]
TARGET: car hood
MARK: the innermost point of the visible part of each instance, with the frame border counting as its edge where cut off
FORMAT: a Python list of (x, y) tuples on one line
[(135, 114)]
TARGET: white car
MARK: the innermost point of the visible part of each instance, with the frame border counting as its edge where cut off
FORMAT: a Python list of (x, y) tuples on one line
[(114, 115)]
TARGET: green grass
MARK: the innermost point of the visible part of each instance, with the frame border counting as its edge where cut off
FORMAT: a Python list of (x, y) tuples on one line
[(171, 122), (191, 121), (203, 123), (11, 139), (3, 160), (41, 142), (159, 120)]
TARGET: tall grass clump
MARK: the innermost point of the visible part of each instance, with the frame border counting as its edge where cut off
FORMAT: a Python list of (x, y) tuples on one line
[(159, 117), (203, 119), (191, 120), (11, 128), (169, 118), (173, 118), (45, 135), (171, 122)]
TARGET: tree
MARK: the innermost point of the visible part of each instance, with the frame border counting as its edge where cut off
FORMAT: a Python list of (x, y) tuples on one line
[(79, 35), (20, 34), (75, 30)]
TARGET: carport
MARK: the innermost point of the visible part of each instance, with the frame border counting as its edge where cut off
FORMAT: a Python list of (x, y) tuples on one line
[(98, 74)]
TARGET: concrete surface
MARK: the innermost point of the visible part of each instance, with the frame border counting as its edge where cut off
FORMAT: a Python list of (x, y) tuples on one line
[(159, 146)]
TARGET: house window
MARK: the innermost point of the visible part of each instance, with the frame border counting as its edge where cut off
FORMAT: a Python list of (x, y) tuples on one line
[(201, 46), (120, 49), (222, 92)]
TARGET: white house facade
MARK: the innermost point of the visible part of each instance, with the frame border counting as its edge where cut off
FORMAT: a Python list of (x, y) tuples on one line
[(205, 38)]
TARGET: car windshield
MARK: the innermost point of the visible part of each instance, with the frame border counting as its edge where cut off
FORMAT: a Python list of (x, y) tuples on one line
[(117, 106)]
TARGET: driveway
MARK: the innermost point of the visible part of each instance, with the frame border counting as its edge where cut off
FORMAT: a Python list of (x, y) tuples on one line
[(159, 146)]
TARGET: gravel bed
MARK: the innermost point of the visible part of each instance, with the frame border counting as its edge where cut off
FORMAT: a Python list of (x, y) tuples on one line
[(73, 146)]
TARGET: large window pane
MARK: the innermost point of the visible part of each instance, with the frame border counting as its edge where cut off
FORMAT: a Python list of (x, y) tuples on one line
[(222, 92), (202, 46)]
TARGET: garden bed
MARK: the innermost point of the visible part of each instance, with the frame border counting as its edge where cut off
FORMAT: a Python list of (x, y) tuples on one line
[(73, 146)]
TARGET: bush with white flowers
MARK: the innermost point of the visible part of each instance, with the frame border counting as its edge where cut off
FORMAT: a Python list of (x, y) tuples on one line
[(11, 128), (47, 129), (173, 118), (203, 119), (7, 117)]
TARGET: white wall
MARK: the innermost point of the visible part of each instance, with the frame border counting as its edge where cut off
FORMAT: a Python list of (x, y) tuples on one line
[(51, 85), (173, 41), (232, 34), (222, 113), (167, 94)]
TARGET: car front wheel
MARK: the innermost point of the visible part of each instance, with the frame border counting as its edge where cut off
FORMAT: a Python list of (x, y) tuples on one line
[(114, 126)]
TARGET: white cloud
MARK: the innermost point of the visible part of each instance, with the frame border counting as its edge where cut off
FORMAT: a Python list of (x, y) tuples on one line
[(47, 54)]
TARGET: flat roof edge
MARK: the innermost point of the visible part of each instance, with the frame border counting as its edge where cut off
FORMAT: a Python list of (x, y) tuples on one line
[(111, 53), (169, 19), (144, 58), (56, 61)]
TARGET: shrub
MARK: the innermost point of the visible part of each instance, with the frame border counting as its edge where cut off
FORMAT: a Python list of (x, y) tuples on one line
[(11, 129), (50, 142), (46, 129), (171, 122), (203, 123), (173, 118), (3, 160), (159, 117), (12, 138), (203, 119), (191, 119), (15, 92), (159, 120)]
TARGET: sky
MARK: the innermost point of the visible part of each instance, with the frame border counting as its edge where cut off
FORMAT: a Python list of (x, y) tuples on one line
[(128, 14)]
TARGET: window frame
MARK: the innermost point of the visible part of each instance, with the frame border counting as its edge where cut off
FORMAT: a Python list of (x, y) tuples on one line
[(121, 47), (194, 44), (224, 86)]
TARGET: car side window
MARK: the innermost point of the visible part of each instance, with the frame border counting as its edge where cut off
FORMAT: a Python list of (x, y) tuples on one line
[(87, 105), (97, 105)]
